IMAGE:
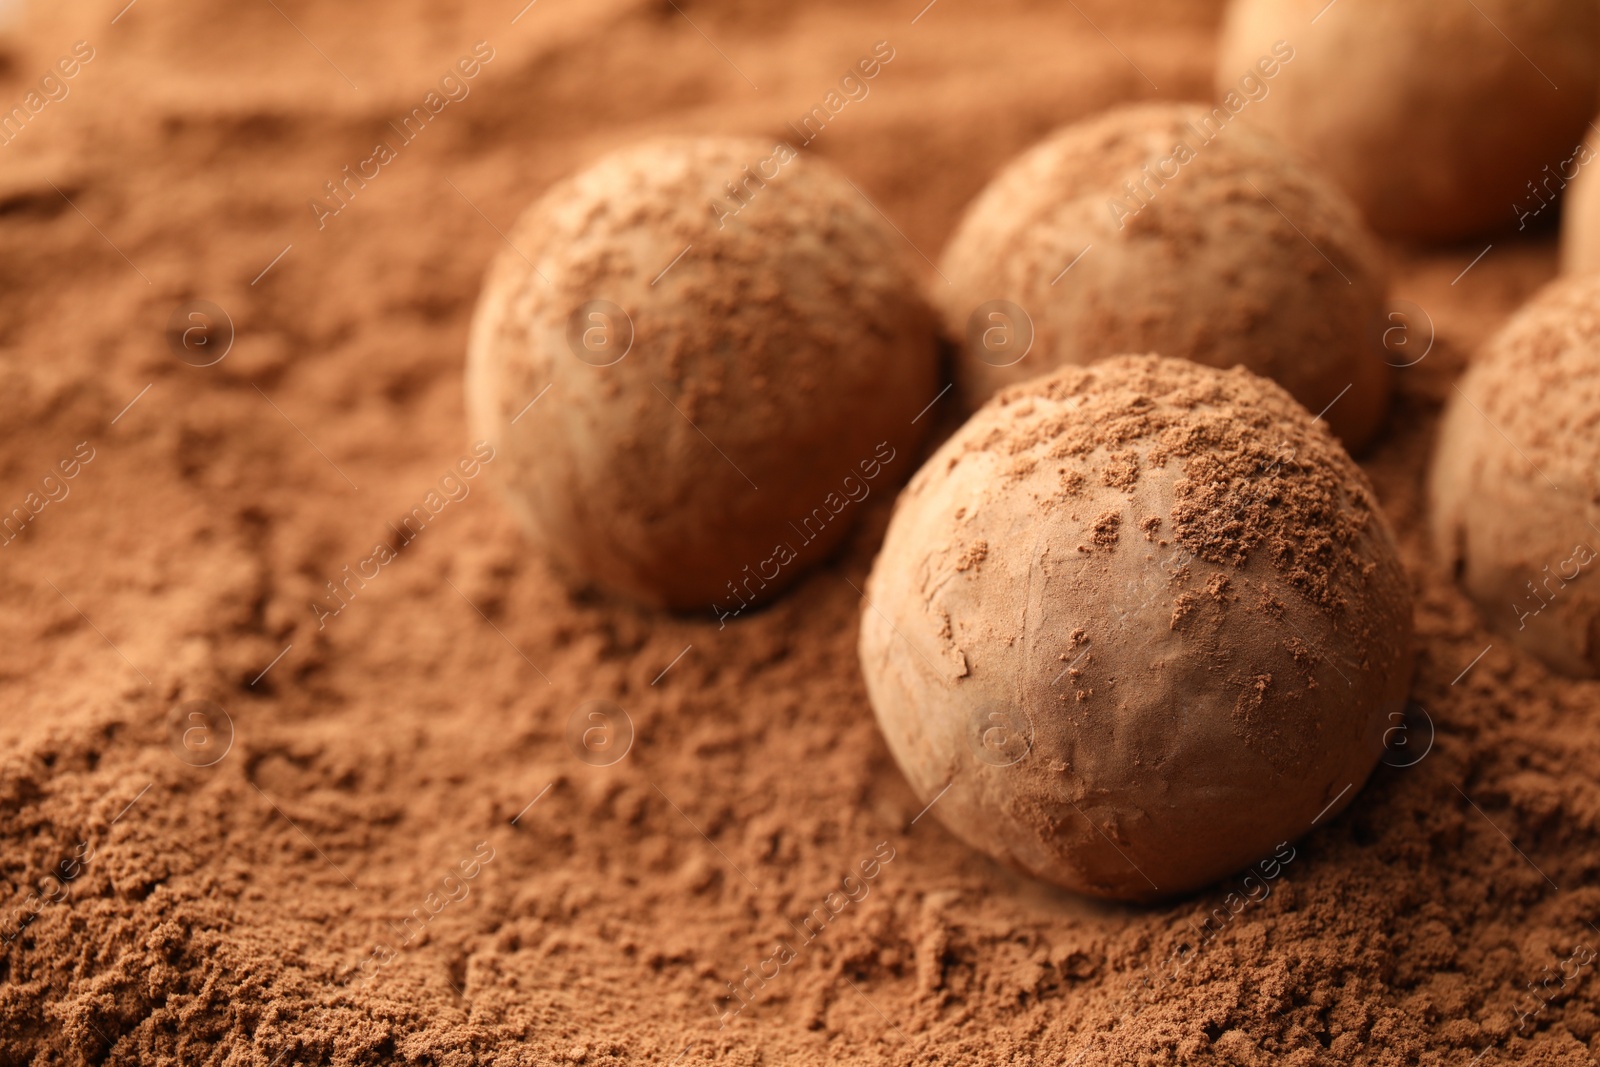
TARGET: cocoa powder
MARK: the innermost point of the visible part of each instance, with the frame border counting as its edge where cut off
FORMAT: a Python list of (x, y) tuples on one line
[(221, 913)]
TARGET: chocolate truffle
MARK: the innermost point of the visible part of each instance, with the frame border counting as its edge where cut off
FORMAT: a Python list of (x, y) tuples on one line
[(1580, 209), (1135, 625), (1437, 118), (727, 351), (1515, 488), (1157, 228)]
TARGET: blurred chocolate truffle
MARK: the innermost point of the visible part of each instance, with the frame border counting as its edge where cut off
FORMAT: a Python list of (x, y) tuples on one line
[(1516, 479), (1437, 118), (1144, 621), (1580, 209), (727, 354), (1157, 228)]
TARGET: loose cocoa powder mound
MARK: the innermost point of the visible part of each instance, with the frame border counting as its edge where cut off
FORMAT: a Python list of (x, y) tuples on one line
[(306, 897)]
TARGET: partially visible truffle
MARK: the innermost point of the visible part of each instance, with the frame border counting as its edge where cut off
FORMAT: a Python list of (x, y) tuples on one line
[(697, 357), (1577, 184), (1515, 488), (1135, 625), (1160, 228), (1436, 117)]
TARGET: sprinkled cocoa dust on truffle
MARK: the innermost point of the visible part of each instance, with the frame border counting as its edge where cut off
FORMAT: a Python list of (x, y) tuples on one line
[(761, 357), (1516, 479), (1205, 241), (1224, 506)]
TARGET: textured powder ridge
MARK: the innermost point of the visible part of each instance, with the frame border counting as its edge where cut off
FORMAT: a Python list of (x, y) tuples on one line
[(229, 914), (729, 368), (1187, 598), (1516, 478), (1438, 119), (1171, 228)]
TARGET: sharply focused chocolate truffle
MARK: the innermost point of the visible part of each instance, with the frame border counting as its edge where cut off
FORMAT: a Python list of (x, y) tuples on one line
[(697, 358), (1135, 625), (1162, 228), (1438, 118), (1516, 479)]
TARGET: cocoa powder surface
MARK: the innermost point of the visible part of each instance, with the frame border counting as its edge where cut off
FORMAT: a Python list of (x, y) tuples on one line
[(1253, 475), (300, 900)]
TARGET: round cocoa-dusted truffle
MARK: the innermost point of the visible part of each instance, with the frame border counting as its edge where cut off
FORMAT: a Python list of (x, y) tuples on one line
[(1155, 228), (1135, 625), (1578, 186), (724, 352), (1515, 489), (1437, 118)]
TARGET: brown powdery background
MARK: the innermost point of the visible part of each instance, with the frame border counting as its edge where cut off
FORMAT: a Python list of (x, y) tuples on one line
[(225, 916)]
